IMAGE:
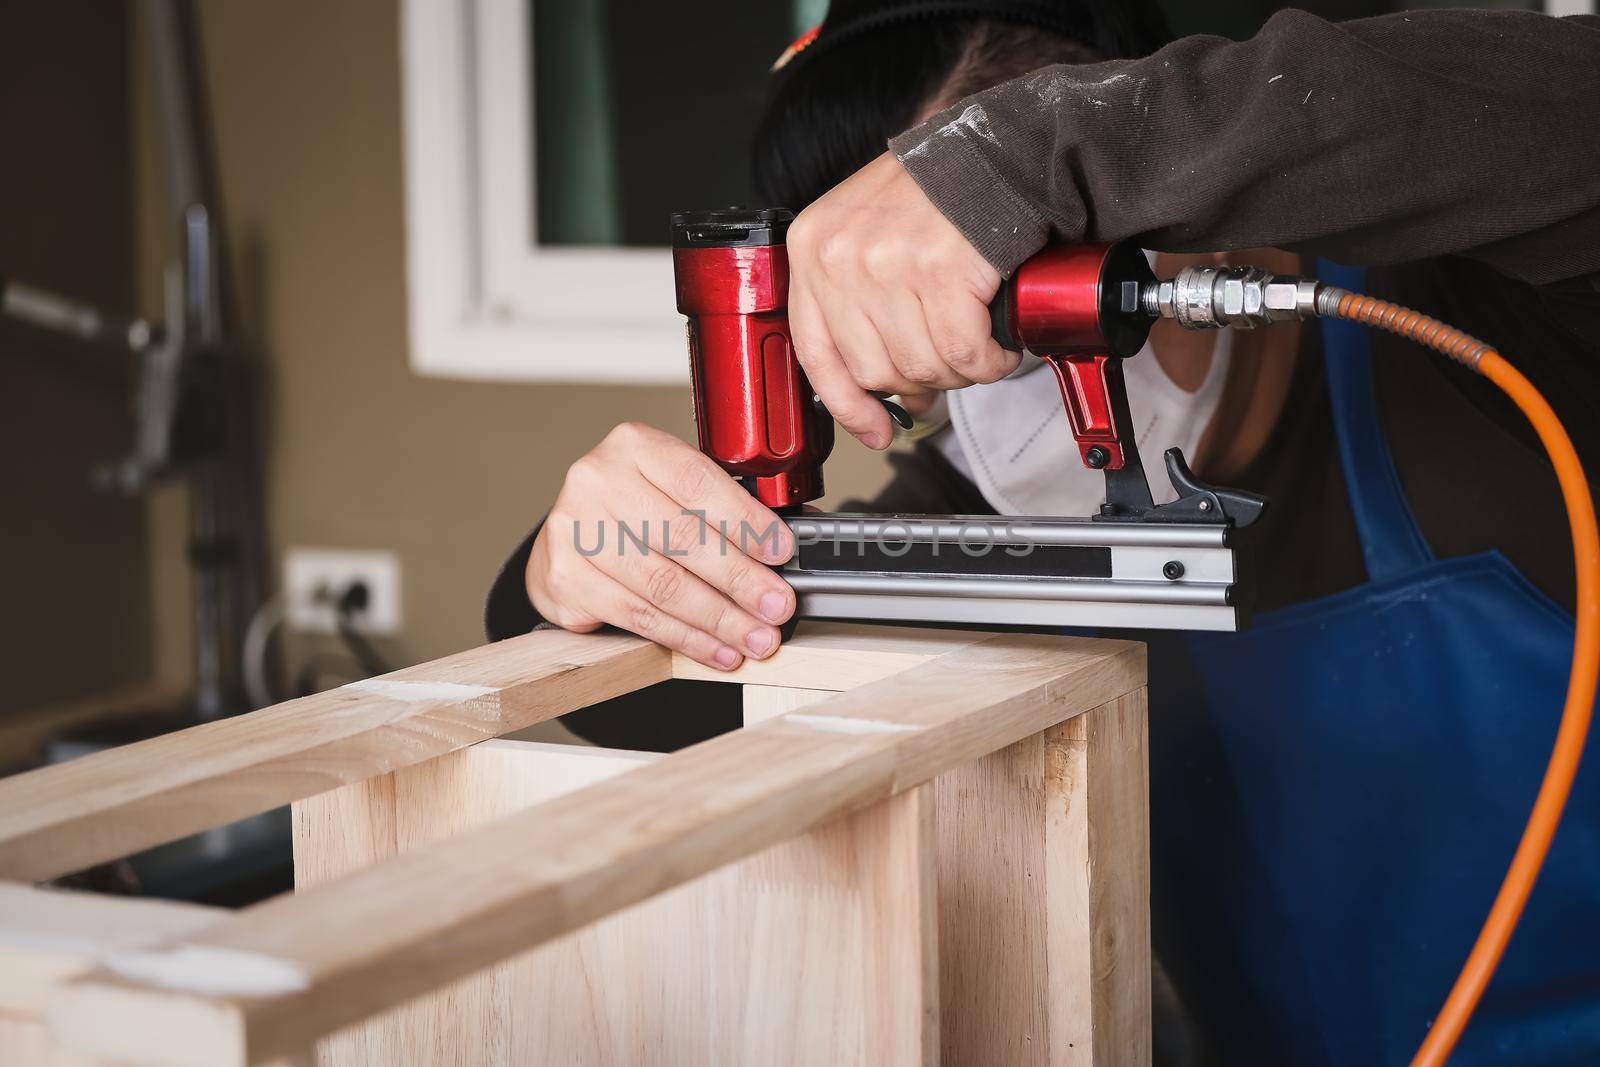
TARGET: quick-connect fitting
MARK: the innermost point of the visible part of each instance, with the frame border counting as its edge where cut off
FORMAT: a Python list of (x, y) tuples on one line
[(1202, 298)]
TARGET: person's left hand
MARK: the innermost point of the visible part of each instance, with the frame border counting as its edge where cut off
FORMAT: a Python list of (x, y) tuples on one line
[(885, 294)]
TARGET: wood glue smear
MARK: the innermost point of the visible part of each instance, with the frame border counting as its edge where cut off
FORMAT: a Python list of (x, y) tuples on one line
[(212, 972), (839, 724)]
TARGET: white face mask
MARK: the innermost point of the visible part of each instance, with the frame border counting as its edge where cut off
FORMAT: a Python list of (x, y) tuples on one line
[(1013, 440)]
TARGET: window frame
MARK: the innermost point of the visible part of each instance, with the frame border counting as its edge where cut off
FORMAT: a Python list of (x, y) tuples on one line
[(484, 301)]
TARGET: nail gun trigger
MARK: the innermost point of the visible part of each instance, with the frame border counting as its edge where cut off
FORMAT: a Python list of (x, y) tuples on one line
[(900, 415)]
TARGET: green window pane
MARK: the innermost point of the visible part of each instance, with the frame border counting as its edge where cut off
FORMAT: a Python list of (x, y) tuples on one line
[(642, 109)]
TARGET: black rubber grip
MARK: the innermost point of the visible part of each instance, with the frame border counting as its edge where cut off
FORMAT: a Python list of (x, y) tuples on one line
[(1000, 316)]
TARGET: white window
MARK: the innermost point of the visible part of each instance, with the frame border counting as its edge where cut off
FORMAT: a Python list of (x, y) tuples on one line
[(546, 142)]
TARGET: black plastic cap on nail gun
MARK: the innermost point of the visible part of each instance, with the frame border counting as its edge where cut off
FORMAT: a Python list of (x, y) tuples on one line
[(730, 227)]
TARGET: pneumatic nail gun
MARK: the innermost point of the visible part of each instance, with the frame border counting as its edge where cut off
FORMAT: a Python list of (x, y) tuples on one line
[(1082, 308)]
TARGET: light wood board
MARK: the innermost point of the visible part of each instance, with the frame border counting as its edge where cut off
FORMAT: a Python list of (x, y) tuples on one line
[(773, 960), (57, 820)]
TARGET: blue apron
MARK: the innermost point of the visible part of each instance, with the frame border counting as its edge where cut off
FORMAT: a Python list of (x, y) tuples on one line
[(1338, 791)]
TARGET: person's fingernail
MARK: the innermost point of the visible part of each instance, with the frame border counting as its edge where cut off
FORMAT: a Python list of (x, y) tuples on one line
[(759, 642), (773, 606), (726, 657), (873, 439)]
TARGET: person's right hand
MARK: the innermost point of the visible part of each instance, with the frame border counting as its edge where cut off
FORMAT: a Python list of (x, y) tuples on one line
[(886, 295), (701, 587)]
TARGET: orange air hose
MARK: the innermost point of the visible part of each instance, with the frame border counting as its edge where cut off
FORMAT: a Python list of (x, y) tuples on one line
[(1553, 791)]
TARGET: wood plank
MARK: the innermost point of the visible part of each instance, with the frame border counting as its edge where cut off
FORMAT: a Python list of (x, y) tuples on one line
[(57, 820), (827, 945), (343, 951), (837, 656), (993, 888), (763, 702), (353, 827), (503, 1015), (1044, 897), (362, 817), (818, 950), (50, 935), (1098, 847), (25, 1042)]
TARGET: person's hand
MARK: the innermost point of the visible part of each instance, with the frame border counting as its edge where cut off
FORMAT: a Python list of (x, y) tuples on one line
[(886, 294), (700, 587)]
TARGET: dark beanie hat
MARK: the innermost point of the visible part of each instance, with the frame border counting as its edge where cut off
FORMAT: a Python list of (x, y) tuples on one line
[(1116, 29)]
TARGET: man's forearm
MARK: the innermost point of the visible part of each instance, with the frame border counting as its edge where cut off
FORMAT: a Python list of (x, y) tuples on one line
[(1371, 141)]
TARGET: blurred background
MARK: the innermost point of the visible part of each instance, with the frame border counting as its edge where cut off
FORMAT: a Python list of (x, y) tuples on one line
[(355, 282)]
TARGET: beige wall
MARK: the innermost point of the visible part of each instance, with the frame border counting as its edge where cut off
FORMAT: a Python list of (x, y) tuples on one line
[(361, 452)]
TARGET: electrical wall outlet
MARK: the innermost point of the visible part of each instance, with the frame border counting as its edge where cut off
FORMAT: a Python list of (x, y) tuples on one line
[(314, 579)]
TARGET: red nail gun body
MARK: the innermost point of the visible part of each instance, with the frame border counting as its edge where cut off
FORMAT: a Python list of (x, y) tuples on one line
[(1076, 306), (754, 409)]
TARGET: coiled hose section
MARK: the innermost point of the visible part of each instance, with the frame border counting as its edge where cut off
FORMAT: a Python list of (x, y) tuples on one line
[(1557, 784)]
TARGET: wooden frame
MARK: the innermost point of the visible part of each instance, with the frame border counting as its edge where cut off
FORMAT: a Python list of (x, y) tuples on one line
[(957, 820)]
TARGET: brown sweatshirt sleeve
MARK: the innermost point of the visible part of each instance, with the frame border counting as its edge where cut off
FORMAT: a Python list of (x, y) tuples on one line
[(1373, 141)]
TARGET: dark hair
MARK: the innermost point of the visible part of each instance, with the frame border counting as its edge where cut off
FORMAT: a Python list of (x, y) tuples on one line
[(839, 105)]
